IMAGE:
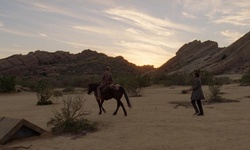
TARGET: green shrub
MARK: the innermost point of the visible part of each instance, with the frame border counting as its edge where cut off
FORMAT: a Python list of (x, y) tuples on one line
[(215, 89), (7, 84), (245, 79), (48, 102), (27, 82), (134, 85), (69, 90), (182, 78), (70, 119), (206, 77), (224, 80), (158, 78), (77, 81), (177, 79), (57, 93), (44, 92)]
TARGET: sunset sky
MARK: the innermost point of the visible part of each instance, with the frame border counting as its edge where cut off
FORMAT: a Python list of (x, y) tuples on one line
[(142, 31)]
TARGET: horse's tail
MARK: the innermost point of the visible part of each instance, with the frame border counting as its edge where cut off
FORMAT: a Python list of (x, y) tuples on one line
[(126, 97)]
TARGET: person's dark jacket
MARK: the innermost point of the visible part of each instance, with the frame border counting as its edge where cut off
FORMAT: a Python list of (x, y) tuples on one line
[(197, 93)]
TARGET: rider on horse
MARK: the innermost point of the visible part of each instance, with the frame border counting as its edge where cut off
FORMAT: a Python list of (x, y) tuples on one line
[(106, 79)]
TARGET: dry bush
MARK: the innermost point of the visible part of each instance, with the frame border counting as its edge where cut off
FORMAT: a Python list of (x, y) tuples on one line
[(215, 93), (245, 79), (57, 93), (44, 92), (70, 119), (7, 84), (134, 84)]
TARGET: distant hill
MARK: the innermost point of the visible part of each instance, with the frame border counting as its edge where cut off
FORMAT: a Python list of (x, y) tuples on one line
[(191, 56), (87, 62), (208, 56)]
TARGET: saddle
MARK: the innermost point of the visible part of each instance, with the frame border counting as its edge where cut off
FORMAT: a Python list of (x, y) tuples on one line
[(114, 86), (111, 86), (106, 91)]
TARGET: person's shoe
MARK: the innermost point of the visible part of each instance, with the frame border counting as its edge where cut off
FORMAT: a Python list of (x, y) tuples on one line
[(195, 114), (200, 114)]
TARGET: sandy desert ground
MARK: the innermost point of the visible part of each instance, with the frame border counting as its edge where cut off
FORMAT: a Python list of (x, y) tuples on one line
[(152, 124)]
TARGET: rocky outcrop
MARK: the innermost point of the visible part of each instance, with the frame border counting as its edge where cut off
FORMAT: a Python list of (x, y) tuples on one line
[(87, 62), (208, 56), (191, 56), (232, 59)]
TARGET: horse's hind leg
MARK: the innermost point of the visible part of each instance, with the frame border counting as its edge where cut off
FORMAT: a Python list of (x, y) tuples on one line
[(118, 105), (124, 110), (100, 106)]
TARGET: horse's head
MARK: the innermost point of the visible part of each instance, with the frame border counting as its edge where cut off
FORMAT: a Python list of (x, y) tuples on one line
[(92, 87)]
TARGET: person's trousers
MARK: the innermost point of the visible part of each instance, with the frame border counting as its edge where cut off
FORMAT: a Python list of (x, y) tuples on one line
[(198, 109), (102, 85)]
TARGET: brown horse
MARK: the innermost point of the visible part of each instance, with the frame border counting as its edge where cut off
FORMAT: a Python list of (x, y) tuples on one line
[(109, 93)]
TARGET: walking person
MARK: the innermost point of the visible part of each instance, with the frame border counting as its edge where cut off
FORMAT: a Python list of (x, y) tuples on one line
[(197, 95)]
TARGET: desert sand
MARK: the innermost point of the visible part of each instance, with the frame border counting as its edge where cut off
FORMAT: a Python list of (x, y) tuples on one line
[(152, 123)]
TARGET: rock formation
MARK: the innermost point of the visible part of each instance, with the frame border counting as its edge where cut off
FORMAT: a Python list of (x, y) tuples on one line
[(208, 56), (87, 62)]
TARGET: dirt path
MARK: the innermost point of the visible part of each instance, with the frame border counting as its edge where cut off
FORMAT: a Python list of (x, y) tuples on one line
[(152, 124)]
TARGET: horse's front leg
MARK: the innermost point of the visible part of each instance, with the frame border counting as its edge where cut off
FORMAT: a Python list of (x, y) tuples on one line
[(102, 106)]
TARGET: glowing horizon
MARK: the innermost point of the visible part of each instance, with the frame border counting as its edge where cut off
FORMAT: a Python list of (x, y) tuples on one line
[(144, 32)]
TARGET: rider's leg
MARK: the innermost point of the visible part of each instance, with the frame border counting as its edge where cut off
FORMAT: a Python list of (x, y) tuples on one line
[(99, 91)]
